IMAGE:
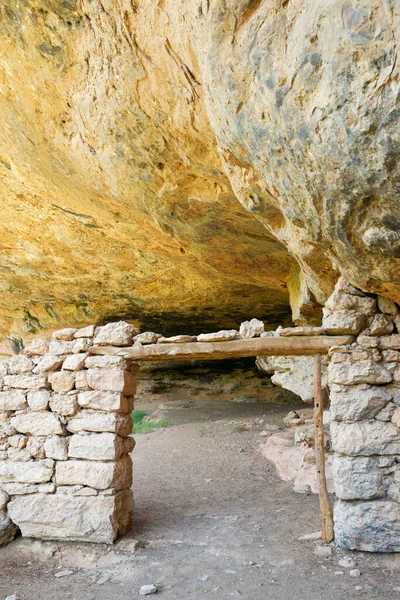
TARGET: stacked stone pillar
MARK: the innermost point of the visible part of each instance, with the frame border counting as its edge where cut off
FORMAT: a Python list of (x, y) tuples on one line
[(65, 425), (364, 380)]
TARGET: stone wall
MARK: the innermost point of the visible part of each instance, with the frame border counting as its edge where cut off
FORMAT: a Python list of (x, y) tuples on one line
[(65, 469), (364, 379)]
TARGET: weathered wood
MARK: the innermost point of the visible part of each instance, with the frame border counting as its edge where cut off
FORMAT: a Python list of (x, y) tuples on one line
[(267, 346), (324, 500)]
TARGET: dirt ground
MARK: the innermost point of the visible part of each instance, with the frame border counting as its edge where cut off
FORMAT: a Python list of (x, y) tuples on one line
[(214, 521)]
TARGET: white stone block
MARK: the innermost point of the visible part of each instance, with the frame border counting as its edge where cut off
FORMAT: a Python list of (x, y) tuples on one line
[(18, 440), (20, 489), (60, 347), (354, 403), (35, 446), (224, 335), (82, 345), (39, 400), (56, 447), (96, 421), (20, 364), (66, 334), (98, 519), (112, 380), (64, 404), (26, 382), (115, 334), (357, 478), (250, 329), (35, 471), (37, 423), (362, 371), (106, 362), (98, 475), (107, 401), (81, 382), (85, 332), (390, 342), (75, 362), (18, 454), (37, 347), (12, 400), (96, 446), (147, 337), (48, 364), (344, 322), (365, 438), (62, 381)]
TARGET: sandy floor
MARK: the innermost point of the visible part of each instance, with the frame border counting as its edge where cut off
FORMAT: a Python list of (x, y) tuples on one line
[(214, 522)]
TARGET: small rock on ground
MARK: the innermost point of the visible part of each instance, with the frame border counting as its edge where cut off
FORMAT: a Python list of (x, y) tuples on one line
[(146, 590), (63, 573), (354, 573)]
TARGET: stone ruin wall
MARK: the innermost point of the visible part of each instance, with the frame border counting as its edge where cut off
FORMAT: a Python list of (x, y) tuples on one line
[(65, 469), (364, 381), (65, 420)]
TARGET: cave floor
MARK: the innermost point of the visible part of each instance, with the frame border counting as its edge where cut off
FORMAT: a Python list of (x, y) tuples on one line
[(214, 521)]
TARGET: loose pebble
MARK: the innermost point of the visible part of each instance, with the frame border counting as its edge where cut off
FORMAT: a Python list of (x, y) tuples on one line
[(147, 590), (354, 573), (63, 573)]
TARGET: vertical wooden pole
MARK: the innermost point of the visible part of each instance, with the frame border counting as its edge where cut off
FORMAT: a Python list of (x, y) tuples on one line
[(324, 500)]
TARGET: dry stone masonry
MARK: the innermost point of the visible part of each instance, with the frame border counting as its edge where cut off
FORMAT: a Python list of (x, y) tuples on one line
[(65, 425), (364, 380)]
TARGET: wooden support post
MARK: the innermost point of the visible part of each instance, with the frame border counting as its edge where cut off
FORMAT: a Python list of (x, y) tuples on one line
[(324, 500)]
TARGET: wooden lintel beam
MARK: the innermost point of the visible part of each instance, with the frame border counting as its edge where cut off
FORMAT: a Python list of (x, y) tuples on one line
[(267, 346)]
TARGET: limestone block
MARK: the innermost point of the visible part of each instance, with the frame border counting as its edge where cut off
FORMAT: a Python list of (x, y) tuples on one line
[(225, 335), (35, 446), (98, 475), (18, 454), (8, 529), (396, 417), (386, 305), (20, 364), (12, 400), (362, 371), (37, 423), (62, 381), (81, 381), (26, 382), (37, 347), (250, 329), (96, 421), (177, 339), (308, 331), (3, 455), (340, 301), (355, 403), (66, 334), (85, 332), (56, 447), (147, 337), (390, 342), (82, 345), (4, 498), (367, 341), (75, 362), (60, 347), (381, 325), (64, 404), (4, 416), (107, 401), (115, 334), (3, 368), (112, 380), (20, 489), (48, 364), (391, 356), (365, 438), (344, 322), (18, 440), (386, 413), (106, 362), (86, 491), (357, 478), (39, 400), (371, 526), (35, 471), (96, 446), (61, 517)]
